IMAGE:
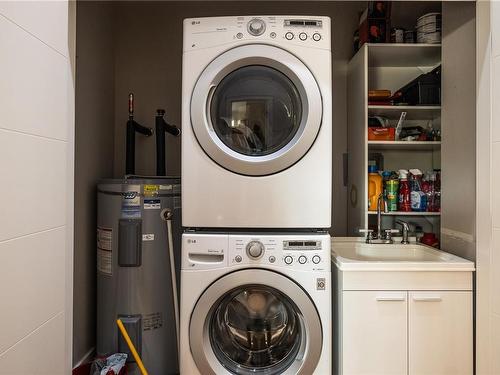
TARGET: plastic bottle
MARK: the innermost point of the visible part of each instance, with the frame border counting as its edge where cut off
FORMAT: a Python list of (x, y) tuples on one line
[(404, 196), (392, 190), (431, 193), (418, 197), (374, 187)]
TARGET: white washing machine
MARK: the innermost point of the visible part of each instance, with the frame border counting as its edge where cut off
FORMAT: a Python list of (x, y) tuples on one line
[(257, 122), (255, 304)]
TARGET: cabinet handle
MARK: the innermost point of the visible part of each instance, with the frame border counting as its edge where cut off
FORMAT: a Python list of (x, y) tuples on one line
[(427, 299), (383, 299)]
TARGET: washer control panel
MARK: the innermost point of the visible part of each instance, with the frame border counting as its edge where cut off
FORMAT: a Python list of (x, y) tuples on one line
[(308, 31), (306, 251)]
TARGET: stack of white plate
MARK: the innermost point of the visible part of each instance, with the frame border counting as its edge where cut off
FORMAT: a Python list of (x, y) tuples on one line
[(429, 28)]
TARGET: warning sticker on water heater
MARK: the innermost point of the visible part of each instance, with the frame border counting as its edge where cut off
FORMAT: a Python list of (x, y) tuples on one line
[(152, 204), (104, 238), (105, 262), (152, 321), (105, 250)]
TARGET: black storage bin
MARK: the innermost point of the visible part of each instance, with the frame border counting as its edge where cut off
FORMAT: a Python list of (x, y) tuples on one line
[(423, 90)]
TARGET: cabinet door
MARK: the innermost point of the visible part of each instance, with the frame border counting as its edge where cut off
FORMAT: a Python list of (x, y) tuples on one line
[(440, 331), (374, 333)]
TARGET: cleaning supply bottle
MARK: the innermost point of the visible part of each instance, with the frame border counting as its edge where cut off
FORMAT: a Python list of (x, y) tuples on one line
[(431, 192), (404, 196), (418, 197), (392, 189), (374, 187)]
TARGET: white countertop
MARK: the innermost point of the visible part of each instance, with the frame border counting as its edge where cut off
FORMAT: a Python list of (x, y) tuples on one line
[(353, 254)]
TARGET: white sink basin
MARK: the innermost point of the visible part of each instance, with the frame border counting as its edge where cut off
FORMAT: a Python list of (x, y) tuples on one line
[(353, 253)]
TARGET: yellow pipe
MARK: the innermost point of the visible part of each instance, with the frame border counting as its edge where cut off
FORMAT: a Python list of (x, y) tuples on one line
[(131, 347)]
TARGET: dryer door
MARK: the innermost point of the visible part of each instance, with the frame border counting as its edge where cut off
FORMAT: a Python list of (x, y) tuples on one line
[(256, 110), (255, 321)]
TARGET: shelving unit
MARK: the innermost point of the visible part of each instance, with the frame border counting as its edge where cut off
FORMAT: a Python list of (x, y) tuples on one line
[(388, 66), (399, 213)]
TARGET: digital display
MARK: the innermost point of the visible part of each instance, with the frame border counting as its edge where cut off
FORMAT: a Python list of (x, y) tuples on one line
[(303, 23), (302, 245)]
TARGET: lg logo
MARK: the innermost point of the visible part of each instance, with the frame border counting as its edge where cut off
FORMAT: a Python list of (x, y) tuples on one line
[(195, 22), (191, 241)]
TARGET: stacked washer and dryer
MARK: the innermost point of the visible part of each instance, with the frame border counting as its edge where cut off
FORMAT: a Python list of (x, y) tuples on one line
[(256, 196)]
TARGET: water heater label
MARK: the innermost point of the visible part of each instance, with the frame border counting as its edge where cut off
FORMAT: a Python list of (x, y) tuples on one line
[(105, 250), (148, 237), (152, 204), (105, 262), (152, 321)]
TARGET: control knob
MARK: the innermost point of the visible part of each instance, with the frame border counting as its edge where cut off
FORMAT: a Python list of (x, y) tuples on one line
[(256, 27), (255, 249), (288, 259), (302, 259)]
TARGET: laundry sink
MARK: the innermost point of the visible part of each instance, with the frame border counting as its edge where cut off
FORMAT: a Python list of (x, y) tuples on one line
[(354, 253)]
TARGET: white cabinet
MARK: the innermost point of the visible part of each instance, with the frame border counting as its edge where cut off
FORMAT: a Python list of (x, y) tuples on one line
[(375, 334), (406, 332), (440, 333)]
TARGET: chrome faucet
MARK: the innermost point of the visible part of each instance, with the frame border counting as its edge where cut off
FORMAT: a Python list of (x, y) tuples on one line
[(382, 236), (406, 230)]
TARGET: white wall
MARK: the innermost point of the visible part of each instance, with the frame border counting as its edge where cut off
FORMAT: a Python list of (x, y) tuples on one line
[(488, 181), (36, 162)]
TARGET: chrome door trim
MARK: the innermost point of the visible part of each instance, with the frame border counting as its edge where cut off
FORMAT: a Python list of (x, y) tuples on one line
[(199, 339), (290, 66)]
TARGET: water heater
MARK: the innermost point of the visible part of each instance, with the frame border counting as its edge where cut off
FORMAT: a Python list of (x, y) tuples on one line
[(133, 270)]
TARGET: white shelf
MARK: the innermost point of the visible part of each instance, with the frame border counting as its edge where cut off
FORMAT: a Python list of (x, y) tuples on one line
[(405, 145), (428, 112), (403, 54), (412, 213)]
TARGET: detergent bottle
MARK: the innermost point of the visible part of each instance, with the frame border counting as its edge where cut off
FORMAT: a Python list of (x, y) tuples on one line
[(404, 196), (375, 186)]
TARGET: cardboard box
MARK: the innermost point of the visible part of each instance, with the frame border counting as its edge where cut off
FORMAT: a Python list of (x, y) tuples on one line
[(381, 134)]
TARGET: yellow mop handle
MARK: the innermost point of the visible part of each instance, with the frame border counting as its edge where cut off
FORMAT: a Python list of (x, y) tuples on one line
[(131, 347)]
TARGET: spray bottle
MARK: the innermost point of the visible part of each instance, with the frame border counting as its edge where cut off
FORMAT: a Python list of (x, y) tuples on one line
[(404, 196), (418, 197)]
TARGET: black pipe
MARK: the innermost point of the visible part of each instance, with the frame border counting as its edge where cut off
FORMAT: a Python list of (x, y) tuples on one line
[(132, 128), (161, 127)]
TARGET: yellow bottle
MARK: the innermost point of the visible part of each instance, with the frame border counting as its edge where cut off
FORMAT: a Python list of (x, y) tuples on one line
[(375, 186)]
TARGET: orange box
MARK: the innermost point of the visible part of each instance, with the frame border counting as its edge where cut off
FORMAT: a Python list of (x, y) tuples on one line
[(381, 134)]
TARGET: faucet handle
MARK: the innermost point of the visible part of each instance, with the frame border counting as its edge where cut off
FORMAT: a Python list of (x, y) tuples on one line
[(369, 234), (390, 232)]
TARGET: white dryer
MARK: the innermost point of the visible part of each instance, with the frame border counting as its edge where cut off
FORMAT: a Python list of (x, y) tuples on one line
[(257, 122), (255, 304)]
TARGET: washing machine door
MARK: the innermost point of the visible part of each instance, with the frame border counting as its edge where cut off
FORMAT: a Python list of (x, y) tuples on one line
[(255, 321), (256, 110)]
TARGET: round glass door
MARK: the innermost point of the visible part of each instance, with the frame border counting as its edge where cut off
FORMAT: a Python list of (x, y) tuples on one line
[(256, 329), (243, 327), (256, 110)]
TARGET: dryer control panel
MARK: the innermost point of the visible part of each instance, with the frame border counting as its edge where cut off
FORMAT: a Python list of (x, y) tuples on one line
[(292, 251), (306, 31)]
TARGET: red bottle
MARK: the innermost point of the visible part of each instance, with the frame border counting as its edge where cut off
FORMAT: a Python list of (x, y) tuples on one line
[(404, 196)]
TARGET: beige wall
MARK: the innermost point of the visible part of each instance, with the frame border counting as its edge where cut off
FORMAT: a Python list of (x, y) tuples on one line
[(36, 160), (458, 156), (94, 156), (148, 61)]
